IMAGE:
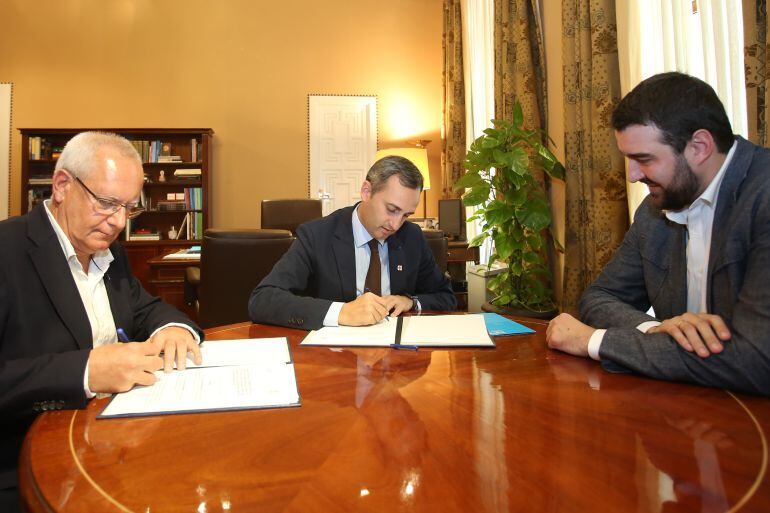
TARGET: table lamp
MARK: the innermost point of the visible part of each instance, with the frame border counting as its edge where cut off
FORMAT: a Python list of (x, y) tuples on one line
[(419, 157)]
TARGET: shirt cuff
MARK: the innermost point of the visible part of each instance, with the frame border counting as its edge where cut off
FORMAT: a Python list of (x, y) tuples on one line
[(89, 394), (643, 327), (594, 343), (333, 314), (417, 304), (179, 325)]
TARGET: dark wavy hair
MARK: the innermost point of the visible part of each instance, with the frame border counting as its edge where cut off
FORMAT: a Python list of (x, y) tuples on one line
[(678, 105)]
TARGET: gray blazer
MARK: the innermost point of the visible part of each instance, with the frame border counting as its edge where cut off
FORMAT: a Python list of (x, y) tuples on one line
[(650, 269)]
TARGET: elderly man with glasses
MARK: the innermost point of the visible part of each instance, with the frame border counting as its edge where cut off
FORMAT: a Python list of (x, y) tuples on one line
[(67, 295)]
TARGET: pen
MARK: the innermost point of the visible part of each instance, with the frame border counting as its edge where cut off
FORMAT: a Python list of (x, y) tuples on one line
[(122, 335), (401, 346), (387, 317)]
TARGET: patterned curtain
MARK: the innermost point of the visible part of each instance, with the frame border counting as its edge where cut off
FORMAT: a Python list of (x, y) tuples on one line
[(453, 144), (596, 210), (756, 62), (519, 61)]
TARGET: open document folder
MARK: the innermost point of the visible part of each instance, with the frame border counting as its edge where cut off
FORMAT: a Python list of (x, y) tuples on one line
[(235, 375), (423, 331)]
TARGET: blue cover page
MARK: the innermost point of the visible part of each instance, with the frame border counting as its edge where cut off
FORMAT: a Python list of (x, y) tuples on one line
[(499, 325)]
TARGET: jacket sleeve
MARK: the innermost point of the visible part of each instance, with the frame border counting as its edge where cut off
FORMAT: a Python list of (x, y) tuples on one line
[(743, 365), (277, 299), (434, 289), (618, 298), (52, 380)]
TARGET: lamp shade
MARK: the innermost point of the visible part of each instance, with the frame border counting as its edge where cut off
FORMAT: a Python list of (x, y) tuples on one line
[(418, 157)]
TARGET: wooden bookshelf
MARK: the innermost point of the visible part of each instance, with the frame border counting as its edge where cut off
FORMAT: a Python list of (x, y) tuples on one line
[(39, 151)]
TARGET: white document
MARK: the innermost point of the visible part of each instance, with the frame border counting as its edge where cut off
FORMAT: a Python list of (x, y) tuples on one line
[(246, 351), (264, 378), (424, 331)]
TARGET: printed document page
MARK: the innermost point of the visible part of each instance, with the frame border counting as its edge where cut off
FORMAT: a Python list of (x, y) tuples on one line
[(429, 330), (263, 378), (446, 330), (247, 351), (377, 335)]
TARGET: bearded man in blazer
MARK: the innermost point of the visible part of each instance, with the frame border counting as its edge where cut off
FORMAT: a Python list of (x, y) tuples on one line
[(698, 250), (325, 279), (65, 289)]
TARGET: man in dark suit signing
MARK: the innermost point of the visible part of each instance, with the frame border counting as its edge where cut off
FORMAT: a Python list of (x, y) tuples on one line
[(698, 250), (66, 289), (358, 264)]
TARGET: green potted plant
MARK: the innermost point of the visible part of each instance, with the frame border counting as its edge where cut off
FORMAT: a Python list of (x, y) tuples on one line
[(502, 168)]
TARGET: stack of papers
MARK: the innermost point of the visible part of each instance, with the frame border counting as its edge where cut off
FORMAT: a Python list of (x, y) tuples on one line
[(235, 375)]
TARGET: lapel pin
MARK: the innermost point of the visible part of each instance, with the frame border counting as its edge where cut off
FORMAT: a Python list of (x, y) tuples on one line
[(399, 268)]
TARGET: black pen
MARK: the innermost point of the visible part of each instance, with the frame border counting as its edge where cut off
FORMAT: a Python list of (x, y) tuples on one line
[(122, 337)]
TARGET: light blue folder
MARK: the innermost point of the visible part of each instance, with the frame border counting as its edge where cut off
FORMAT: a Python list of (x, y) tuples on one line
[(499, 325)]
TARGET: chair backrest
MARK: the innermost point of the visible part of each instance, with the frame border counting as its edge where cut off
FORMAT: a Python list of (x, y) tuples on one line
[(233, 262), (439, 245), (287, 214)]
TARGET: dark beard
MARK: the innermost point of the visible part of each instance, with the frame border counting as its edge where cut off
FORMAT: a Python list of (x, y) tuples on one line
[(682, 190)]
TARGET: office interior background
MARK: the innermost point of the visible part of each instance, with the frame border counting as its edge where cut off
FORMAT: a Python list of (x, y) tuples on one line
[(245, 69)]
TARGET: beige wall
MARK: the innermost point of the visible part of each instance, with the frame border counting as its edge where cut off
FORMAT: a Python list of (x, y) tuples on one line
[(241, 67)]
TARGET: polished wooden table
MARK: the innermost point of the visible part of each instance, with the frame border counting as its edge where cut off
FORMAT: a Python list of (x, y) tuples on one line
[(516, 428)]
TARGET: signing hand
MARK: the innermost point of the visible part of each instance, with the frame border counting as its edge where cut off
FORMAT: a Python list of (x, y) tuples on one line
[(696, 332), (176, 342), (397, 305), (118, 367), (366, 309), (568, 334)]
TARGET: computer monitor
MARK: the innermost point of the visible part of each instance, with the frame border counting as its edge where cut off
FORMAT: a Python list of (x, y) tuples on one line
[(451, 218)]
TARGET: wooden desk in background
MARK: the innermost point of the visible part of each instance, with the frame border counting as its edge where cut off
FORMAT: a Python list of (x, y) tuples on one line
[(516, 428), (166, 281), (459, 254)]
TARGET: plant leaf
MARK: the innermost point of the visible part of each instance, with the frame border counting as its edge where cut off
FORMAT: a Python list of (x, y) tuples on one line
[(489, 142), (468, 180), (477, 195)]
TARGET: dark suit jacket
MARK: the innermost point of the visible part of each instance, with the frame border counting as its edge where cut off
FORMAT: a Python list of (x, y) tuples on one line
[(45, 336), (650, 269), (320, 268)]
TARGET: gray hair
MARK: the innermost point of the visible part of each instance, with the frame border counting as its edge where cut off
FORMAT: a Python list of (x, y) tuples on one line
[(78, 156), (408, 174)]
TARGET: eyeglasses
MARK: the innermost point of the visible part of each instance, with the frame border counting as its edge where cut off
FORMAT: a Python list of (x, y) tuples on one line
[(107, 206)]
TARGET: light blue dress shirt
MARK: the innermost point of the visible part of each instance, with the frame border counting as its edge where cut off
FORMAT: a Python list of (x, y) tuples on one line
[(361, 240)]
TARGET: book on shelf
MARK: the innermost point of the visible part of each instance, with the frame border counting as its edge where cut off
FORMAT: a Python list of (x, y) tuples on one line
[(42, 149), (170, 206), (187, 172), (40, 180), (141, 233)]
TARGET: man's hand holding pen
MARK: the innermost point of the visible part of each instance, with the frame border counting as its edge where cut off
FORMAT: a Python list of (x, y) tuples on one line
[(370, 309)]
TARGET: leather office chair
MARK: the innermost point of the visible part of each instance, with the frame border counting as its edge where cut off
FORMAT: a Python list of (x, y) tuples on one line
[(233, 262), (439, 245), (287, 214)]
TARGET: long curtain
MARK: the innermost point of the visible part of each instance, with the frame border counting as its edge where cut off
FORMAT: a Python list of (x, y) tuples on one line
[(453, 150), (756, 60), (705, 39), (520, 62), (596, 207)]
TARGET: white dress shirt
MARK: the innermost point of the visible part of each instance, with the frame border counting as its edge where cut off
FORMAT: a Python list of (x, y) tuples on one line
[(698, 218), (93, 293)]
